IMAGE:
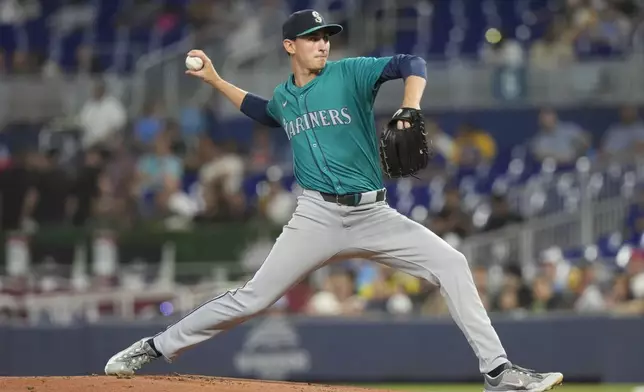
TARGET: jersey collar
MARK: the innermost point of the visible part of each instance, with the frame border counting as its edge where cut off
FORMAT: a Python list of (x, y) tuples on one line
[(294, 87)]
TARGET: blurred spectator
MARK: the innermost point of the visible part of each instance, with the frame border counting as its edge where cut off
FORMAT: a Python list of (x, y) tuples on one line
[(47, 201), (441, 141), (102, 118), (389, 291), (501, 214), (635, 217), (508, 301), (620, 292), (637, 38), (246, 38), (220, 164), (337, 296), (86, 188), (220, 205), (602, 32), (584, 285), (513, 282), (192, 122), (21, 63), (473, 146), (158, 175), (151, 122), (204, 13), (120, 177), (562, 141), (554, 50), (555, 269), (276, 203), (3, 62), (298, 297), (217, 193), (625, 137), (452, 218), (87, 62), (168, 17), (173, 129), (14, 11), (15, 183), (635, 271), (544, 296)]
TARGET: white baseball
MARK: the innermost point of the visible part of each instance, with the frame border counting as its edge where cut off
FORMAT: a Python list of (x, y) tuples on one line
[(194, 63)]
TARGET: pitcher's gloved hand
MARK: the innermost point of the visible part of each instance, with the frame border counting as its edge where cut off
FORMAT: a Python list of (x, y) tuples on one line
[(404, 148)]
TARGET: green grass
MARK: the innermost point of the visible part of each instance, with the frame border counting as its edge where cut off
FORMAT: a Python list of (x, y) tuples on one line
[(479, 387)]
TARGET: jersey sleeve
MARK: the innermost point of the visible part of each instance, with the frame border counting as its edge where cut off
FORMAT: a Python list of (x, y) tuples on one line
[(365, 72), (256, 108), (272, 109)]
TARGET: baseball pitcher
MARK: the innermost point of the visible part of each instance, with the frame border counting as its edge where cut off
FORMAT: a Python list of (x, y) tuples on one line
[(326, 110)]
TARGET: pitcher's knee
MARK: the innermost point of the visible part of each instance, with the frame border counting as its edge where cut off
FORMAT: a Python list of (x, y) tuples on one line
[(458, 261), (249, 303), (257, 306)]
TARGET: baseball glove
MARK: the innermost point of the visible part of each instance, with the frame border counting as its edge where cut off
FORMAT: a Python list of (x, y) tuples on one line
[(404, 152)]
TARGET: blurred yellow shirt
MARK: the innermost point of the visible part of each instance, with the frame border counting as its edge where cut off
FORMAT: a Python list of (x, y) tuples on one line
[(398, 279), (478, 140)]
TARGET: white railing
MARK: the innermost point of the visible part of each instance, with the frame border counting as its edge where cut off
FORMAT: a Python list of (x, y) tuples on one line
[(523, 243), (155, 75), (596, 181), (70, 307)]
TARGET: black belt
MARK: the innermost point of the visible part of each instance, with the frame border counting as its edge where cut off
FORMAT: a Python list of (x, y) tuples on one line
[(351, 199)]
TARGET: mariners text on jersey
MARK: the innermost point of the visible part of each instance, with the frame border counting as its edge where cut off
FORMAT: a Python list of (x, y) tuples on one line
[(321, 118)]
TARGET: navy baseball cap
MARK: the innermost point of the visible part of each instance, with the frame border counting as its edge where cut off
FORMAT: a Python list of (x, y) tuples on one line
[(306, 22)]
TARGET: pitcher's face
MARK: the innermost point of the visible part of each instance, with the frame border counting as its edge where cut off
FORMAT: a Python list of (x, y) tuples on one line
[(310, 51)]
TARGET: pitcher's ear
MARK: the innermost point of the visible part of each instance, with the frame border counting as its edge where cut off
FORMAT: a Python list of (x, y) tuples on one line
[(289, 46)]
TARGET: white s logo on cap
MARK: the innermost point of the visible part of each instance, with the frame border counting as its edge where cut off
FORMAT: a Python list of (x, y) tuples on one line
[(317, 17)]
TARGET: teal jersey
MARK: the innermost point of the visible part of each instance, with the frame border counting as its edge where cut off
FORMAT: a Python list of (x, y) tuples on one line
[(331, 127)]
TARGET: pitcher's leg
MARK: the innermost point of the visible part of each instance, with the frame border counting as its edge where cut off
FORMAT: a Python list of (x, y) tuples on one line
[(410, 247), (295, 254), (313, 236)]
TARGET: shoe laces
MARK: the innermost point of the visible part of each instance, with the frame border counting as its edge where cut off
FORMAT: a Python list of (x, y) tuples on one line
[(524, 371), (136, 358)]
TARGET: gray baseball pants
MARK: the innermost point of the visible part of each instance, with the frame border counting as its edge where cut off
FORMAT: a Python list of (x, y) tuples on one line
[(320, 232)]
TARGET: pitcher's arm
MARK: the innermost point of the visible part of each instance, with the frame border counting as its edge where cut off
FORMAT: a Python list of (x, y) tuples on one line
[(250, 104)]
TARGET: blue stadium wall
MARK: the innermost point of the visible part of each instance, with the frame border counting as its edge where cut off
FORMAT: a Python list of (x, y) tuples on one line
[(327, 350), (509, 126)]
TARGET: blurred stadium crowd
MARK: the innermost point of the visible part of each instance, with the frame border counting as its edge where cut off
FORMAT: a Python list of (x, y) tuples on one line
[(110, 167), (94, 36)]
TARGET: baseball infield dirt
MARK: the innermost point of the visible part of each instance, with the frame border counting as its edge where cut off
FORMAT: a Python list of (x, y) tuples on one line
[(175, 383)]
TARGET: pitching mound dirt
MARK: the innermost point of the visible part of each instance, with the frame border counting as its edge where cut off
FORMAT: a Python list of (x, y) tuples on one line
[(176, 383)]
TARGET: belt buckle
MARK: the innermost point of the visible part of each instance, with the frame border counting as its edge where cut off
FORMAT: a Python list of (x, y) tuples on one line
[(337, 199)]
